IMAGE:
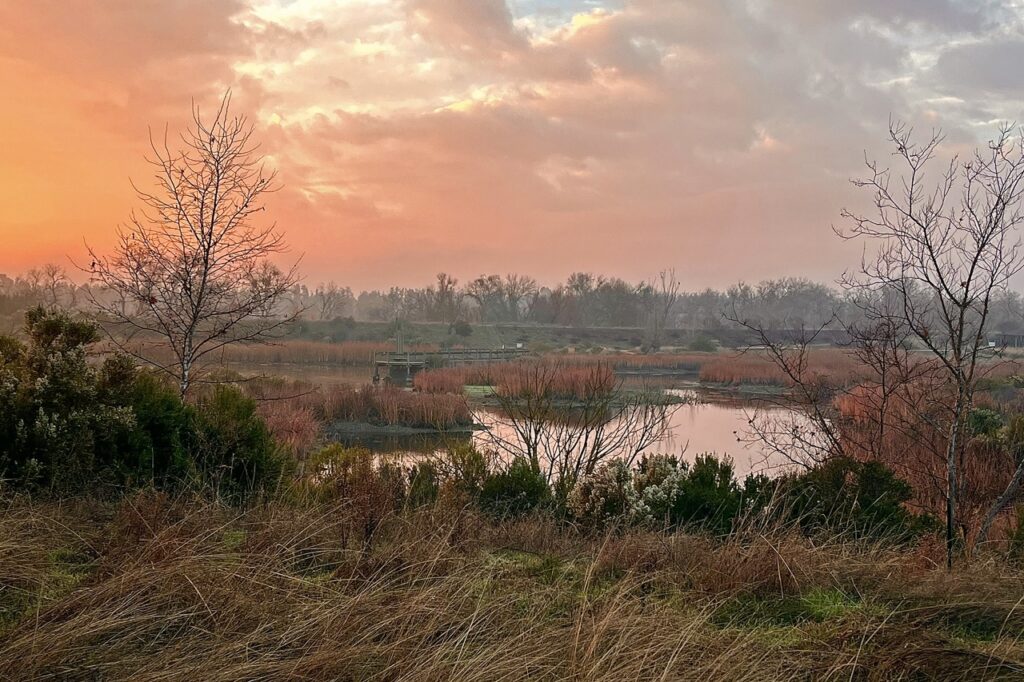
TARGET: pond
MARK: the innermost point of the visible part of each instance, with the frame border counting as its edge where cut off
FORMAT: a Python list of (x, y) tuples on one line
[(710, 422)]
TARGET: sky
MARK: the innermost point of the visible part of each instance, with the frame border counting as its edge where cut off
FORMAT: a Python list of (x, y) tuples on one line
[(411, 137)]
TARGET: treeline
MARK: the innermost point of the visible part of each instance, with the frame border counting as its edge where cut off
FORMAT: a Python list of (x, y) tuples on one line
[(582, 300), (593, 300)]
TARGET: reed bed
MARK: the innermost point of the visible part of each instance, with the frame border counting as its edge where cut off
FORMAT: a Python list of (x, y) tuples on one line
[(390, 406), (677, 362), (575, 372), (837, 365), (519, 379), (164, 589), (294, 409)]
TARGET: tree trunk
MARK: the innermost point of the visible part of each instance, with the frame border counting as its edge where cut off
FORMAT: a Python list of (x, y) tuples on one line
[(951, 450), (186, 370), (1001, 502)]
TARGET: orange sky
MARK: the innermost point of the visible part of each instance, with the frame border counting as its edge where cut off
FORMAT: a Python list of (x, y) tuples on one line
[(471, 136)]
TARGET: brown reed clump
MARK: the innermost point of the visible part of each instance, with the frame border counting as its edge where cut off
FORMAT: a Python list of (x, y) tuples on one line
[(835, 365), (392, 406), (528, 377)]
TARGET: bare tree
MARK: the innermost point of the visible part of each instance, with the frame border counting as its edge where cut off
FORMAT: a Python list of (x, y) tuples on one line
[(663, 293), (518, 290), (330, 299), (190, 272), (942, 252), (49, 281), (447, 302), (945, 249), (566, 433)]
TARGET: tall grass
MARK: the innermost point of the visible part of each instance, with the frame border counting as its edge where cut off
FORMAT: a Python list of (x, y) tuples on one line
[(183, 590), (757, 368), (528, 377), (392, 406)]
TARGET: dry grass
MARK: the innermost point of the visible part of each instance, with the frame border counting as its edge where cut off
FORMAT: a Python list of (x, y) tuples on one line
[(757, 368), (522, 378), (186, 590), (392, 406)]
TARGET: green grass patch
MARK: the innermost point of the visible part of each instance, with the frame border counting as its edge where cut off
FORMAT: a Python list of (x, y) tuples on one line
[(818, 605)]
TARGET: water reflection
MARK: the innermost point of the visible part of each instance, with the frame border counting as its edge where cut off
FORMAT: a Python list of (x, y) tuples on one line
[(710, 423)]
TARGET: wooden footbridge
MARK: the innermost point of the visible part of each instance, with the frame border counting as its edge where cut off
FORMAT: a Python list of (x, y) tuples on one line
[(402, 365)]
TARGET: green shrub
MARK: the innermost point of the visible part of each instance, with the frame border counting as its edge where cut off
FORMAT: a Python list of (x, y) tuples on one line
[(370, 489), (673, 493), (232, 448), (423, 484), (702, 344), (709, 495), (1017, 536), (515, 491), (984, 422), (60, 430), (464, 470), (864, 498)]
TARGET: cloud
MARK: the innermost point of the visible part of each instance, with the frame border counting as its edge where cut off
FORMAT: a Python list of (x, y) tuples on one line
[(716, 136)]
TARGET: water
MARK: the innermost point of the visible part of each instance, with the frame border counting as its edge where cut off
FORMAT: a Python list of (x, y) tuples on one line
[(715, 422), (712, 423)]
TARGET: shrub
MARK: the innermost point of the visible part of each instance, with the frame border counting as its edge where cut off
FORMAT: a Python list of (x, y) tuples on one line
[(159, 443), (515, 491), (464, 470), (371, 489), (702, 344), (232, 447), (423, 484), (983, 422), (864, 498), (60, 429), (461, 328), (608, 495), (673, 493), (1017, 536)]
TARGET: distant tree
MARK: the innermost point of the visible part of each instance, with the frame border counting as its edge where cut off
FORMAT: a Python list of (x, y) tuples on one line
[(331, 300), (662, 294), (191, 268), (518, 289), (488, 292), (447, 300), (461, 328), (48, 282)]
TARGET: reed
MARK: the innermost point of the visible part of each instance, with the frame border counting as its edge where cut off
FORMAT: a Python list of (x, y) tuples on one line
[(391, 406), (837, 365), (528, 377)]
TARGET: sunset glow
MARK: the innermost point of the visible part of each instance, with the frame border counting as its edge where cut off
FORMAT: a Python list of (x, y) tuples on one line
[(544, 136)]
